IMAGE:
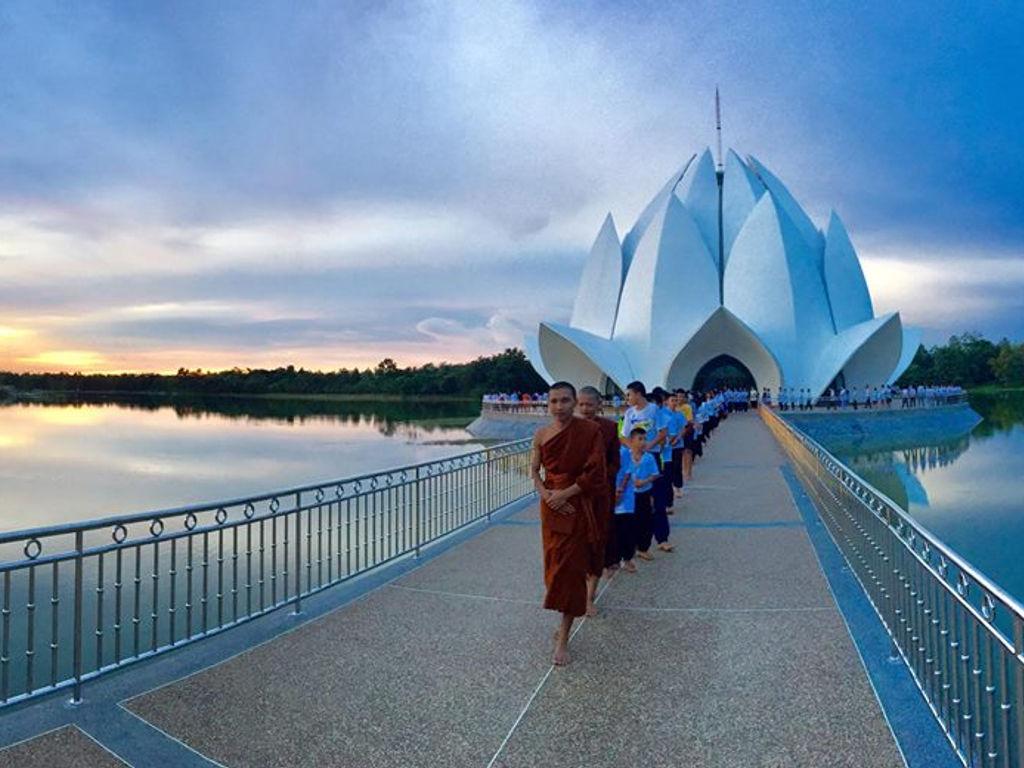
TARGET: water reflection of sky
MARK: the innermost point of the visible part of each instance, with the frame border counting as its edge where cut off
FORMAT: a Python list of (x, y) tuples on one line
[(968, 490), (60, 463)]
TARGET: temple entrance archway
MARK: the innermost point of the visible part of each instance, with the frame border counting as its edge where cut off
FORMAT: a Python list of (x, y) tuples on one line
[(724, 372), (724, 336)]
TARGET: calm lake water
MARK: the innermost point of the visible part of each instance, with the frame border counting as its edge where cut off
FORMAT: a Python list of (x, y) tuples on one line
[(968, 489), (89, 459)]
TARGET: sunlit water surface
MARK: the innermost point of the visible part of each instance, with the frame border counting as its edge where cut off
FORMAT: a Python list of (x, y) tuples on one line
[(968, 489), (93, 459)]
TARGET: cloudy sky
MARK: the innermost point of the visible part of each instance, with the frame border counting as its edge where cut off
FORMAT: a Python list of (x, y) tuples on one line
[(213, 184)]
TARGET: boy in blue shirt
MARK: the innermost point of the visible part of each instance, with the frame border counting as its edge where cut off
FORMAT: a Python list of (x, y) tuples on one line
[(643, 471)]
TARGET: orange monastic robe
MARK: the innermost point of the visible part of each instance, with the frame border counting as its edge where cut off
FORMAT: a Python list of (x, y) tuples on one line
[(604, 503), (574, 455)]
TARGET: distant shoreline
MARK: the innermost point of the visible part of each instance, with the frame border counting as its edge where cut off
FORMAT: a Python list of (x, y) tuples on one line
[(55, 395)]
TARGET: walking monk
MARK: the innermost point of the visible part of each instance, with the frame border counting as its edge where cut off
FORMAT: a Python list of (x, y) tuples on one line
[(571, 452), (589, 405)]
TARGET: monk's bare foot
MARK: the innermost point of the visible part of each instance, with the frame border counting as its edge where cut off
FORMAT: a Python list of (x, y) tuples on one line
[(561, 657), (666, 547), (670, 511), (591, 609), (629, 567), (679, 492), (645, 555)]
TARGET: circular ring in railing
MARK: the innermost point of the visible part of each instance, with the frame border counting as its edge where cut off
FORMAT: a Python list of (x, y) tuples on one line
[(388, 480), (402, 476), (357, 486), (190, 521), (911, 538), (339, 490), (373, 483), (943, 566), (926, 552), (119, 534), (156, 527), (963, 584), (988, 607), (275, 504), (33, 548), (221, 516), (249, 511), (319, 495)]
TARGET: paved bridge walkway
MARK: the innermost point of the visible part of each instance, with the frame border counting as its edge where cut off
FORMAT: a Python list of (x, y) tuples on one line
[(729, 652)]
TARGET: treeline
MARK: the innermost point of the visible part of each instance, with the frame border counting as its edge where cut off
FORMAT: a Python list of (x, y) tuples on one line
[(969, 360), (504, 372)]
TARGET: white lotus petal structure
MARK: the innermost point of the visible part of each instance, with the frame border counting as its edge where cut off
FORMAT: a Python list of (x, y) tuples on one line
[(724, 263)]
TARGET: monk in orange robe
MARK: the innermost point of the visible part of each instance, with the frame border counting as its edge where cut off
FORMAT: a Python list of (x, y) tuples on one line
[(588, 406), (570, 450)]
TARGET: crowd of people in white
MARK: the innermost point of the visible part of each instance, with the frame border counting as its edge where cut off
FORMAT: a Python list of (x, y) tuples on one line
[(786, 399)]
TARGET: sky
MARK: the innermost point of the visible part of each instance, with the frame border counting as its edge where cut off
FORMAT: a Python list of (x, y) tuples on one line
[(324, 184)]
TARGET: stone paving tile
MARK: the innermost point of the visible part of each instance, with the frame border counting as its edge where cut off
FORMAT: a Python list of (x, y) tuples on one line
[(727, 568), (749, 496), (400, 679), (503, 561), (706, 691), (66, 747)]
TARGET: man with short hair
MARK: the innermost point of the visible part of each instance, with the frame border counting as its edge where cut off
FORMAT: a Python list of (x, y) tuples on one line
[(570, 450), (589, 406)]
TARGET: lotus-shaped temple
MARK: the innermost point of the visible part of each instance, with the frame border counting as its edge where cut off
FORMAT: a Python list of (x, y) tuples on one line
[(724, 262)]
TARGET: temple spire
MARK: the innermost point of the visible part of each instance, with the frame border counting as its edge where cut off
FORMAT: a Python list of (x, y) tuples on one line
[(718, 129)]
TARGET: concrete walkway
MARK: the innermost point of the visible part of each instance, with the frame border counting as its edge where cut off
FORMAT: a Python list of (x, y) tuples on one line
[(729, 652)]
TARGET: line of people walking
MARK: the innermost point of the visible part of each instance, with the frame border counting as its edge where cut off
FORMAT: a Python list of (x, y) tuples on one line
[(802, 399), (607, 488)]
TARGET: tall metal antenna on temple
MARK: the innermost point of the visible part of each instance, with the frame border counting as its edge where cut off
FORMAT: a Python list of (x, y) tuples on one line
[(718, 127)]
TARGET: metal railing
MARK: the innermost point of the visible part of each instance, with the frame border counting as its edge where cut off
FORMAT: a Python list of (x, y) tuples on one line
[(961, 636), (118, 590)]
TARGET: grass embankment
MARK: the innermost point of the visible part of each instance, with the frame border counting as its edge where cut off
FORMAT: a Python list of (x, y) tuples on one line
[(995, 389)]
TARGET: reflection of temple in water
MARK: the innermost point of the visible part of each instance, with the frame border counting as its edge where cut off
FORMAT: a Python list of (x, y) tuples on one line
[(895, 472)]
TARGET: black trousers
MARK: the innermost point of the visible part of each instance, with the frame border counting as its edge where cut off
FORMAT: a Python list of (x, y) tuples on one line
[(643, 514), (677, 468), (625, 536)]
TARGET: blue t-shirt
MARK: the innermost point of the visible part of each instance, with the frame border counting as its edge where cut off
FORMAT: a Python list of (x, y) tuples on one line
[(676, 425), (627, 504), (664, 421), (646, 467)]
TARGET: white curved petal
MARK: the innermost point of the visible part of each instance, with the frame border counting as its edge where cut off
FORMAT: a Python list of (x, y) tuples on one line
[(847, 289), (531, 346), (911, 343), (698, 191), (598, 296), (772, 285), (724, 334), (582, 358), (788, 203), (671, 288), (657, 204), (865, 354), (741, 190)]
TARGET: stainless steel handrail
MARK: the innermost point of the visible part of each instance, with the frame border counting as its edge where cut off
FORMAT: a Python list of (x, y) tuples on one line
[(960, 634), (122, 589)]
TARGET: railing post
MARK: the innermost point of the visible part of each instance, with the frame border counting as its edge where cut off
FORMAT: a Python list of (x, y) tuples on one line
[(1018, 687), (417, 497), (298, 553), (487, 482), (76, 695)]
